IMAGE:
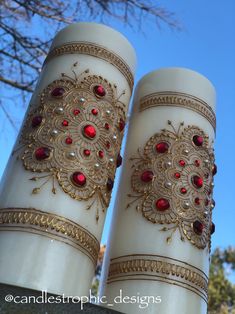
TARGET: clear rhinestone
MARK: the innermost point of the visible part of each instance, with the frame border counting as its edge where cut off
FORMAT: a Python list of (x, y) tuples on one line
[(54, 132), (168, 184), (186, 205), (168, 163), (71, 155), (59, 110), (206, 161)]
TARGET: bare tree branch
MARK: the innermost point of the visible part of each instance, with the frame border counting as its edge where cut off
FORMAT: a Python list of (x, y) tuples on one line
[(24, 47)]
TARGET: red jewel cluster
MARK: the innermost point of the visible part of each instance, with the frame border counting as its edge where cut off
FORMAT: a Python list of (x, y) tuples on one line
[(89, 131), (162, 204)]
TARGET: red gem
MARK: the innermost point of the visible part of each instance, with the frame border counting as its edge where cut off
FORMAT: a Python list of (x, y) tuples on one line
[(109, 184), (198, 227), (42, 153), (108, 145), (147, 176), (68, 140), (212, 228), (177, 175), (65, 123), (57, 92), (197, 163), (207, 202), (197, 201), (89, 131), (106, 126), (76, 112), (198, 140), (86, 152), (162, 147), (101, 154), (121, 124), (99, 90), (214, 169), (183, 190), (162, 204), (94, 112), (78, 178), (197, 181), (182, 163), (119, 160), (36, 121)]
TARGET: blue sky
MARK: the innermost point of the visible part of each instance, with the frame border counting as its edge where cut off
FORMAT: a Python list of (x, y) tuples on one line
[(207, 45)]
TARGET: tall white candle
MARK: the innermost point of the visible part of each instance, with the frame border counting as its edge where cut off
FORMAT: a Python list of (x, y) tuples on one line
[(160, 241), (58, 182)]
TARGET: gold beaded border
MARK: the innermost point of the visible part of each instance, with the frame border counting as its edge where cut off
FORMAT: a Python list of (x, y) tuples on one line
[(53, 226), (159, 268), (177, 99), (97, 51)]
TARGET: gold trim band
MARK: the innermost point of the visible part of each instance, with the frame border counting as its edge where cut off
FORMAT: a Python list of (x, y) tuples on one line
[(35, 221), (95, 51), (159, 268), (179, 100)]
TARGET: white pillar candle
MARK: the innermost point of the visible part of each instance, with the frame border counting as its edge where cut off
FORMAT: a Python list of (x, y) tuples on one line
[(160, 241), (58, 182)]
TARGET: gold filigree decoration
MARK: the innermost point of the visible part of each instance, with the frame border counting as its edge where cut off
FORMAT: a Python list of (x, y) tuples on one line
[(172, 180), (159, 268), (182, 100), (50, 225), (97, 51), (74, 138)]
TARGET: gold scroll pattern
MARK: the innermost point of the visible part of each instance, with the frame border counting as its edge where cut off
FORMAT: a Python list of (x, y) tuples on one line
[(182, 100), (159, 268), (31, 220), (97, 51)]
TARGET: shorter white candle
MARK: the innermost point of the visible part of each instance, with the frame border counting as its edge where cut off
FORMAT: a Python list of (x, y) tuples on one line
[(160, 234)]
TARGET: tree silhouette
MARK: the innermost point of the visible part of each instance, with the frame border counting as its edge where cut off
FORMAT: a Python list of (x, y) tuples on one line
[(27, 29)]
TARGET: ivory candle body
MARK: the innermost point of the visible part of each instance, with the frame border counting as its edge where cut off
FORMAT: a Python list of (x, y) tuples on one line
[(158, 252), (57, 185)]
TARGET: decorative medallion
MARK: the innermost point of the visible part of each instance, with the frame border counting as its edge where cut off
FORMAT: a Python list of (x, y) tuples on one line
[(74, 137), (172, 183)]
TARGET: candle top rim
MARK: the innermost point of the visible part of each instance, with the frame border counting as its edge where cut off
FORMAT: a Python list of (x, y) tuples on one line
[(99, 34), (177, 79)]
